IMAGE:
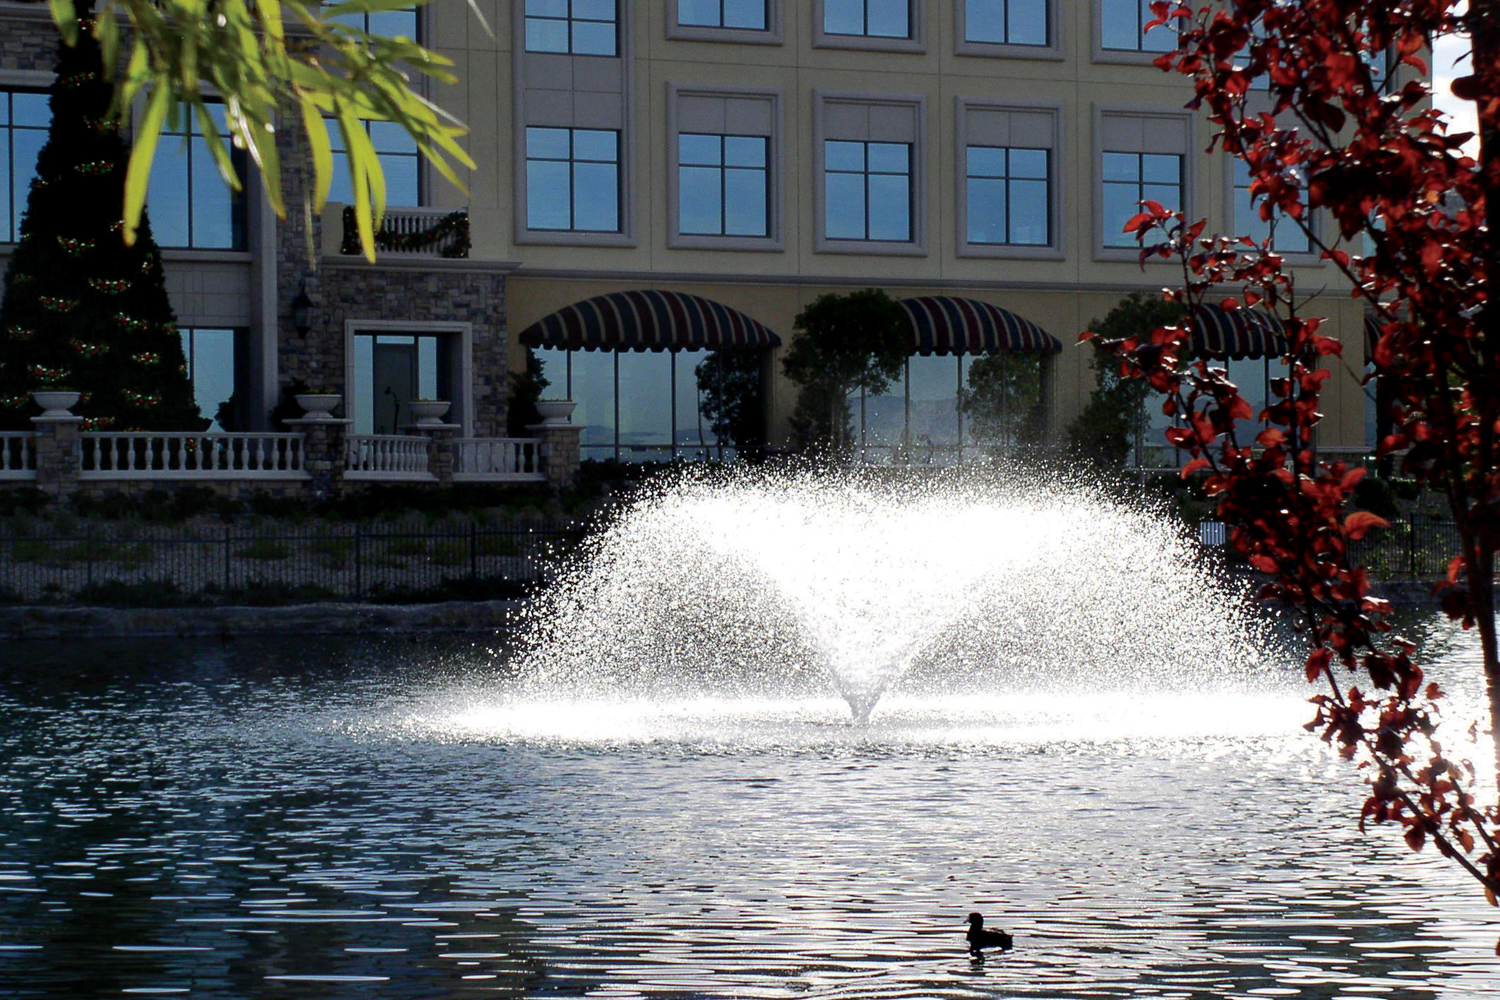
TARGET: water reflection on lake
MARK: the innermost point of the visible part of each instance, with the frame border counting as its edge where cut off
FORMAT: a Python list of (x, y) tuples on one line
[(329, 819)]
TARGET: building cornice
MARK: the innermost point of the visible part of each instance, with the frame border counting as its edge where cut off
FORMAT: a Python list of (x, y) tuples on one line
[(661, 278), (350, 262)]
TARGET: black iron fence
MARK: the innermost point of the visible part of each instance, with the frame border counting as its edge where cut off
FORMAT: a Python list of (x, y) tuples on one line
[(145, 565), (1416, 549)]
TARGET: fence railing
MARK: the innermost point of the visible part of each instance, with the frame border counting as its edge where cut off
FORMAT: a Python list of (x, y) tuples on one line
[(186, 455), (1416, 549), (17, 455), (496, 459), (121, 563), (393, 457), (413, 232)]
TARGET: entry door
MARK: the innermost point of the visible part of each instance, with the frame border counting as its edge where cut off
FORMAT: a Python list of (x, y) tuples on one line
[(395, 385)]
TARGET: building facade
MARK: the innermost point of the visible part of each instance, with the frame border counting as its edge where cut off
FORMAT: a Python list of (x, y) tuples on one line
[(659, 181)]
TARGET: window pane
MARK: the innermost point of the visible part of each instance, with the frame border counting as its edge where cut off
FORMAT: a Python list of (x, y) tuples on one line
[(7, 234), (167, 194), (885, 419), (592, 144), (986, 210), (843, 17), (1247, 220), (745, 151), (361, 387), (1121, 29), (745, 203), (1119, 207), (547, 201), (27, 144), (984, 21), (705, 12), (1168, 196), (699, 149), (1249, 374), (394, 23), (547, 143), (214, 214), (1028, 213), (1027, 22), (427, 369), (699, 209), (843, 155), (890, 157), (1162, 38), (555, 372), (1122, 167), (546, 36), (596, 197), (1029, 163), (934, 401), (750, 14), (1161, 168), (645, 401), (694, 436), (211, 368), (1290, 238), (547, 8), (388, 137), (31, 109), (890, 208), (889, 18), (594, 392), (402, 180), (594, 10), (592, 38), (845, 208), (986, 161)]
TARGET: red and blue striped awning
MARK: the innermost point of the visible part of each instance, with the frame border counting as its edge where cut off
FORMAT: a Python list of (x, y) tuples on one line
[(648, 321), (942, 324), (1237, 333)]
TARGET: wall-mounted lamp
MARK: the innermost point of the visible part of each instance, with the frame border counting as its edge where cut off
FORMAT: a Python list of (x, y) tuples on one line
[(302, 311)]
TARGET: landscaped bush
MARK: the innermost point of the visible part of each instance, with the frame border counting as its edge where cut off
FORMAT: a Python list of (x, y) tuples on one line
[(22, 500), (265, 548)]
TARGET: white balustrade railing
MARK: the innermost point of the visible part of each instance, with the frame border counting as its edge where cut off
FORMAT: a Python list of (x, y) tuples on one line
[(190, 455), (386, 457), (17, 455), (497, 460)]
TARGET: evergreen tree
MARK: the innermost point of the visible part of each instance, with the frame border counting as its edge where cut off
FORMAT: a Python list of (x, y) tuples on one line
[(81, 310)]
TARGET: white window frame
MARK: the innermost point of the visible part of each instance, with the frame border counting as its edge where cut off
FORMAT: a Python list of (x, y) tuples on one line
[(917, 245), (774, 241), (629, 212), (916, 42), (1096, 181), (773, 34), (1054, 249), (1052, 51)]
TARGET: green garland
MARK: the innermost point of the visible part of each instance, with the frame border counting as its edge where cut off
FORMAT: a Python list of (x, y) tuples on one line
[(454, 226)]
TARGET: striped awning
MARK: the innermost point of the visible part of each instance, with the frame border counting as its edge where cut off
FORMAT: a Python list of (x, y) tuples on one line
[(648, 321), (1237, 333), (942, 324)]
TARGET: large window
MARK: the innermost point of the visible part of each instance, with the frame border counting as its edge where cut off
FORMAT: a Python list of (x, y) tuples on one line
[(1009, 196), (190, 204), (391, 370), (24, 118), (870, 18), (1131, 178), (747, 15), (400, 23), (1007, 22), (1123, 27), (723, 185), (573, 180), (639, 406), (947, 409), (867, 191), (210, 354), (397, 152), (580, 27), (1286, 235)]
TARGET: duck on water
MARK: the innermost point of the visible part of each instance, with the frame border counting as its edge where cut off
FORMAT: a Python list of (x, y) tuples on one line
[(980, 939)]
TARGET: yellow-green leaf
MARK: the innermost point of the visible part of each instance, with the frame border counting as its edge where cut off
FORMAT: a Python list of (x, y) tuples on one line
[(322, 150), (67, 20), (138, 171)]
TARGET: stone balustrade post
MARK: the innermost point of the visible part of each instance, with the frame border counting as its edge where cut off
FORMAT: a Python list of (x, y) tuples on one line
[(560, 452), (439, 449), (323, 452), (59, 453)]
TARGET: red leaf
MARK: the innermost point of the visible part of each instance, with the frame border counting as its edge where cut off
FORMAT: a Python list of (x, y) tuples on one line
[(1358, 524), (1137, 221)]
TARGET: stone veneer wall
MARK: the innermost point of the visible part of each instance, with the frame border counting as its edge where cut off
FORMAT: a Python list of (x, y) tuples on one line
[(350, 289), (28, 40)]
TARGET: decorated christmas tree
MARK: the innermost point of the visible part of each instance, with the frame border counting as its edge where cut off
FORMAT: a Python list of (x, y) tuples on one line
[(82, 310)]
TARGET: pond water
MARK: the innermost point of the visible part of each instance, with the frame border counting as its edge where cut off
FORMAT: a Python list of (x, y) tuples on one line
[(377, 819)]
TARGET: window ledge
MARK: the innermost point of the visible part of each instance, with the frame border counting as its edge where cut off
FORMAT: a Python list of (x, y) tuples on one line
[(869, 248), (869, 43), (1126, 57), (571, 238), (751, 244), (1130, 255), (196, 254), (735, 36), (1010, 251), (1005, 50)]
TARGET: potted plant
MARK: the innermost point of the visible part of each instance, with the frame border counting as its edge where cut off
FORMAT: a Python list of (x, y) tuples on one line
[(56, 401), (555, 411), (428, 412), (318, 404)]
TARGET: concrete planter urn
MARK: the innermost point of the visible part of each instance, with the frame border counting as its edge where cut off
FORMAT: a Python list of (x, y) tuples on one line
[(555, 412), (55, 402), (318, 405), (428, 412)]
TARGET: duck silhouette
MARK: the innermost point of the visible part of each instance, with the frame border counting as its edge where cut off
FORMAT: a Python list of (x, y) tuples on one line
[(980, 939)]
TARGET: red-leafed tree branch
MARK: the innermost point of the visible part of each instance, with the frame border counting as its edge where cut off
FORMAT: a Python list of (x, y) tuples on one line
[(1296, 90)]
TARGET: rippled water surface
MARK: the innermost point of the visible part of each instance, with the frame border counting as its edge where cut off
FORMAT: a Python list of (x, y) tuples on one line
[(336, 819)]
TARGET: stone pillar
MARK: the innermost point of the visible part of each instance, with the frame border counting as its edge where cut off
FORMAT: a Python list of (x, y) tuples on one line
[(560, 452), (59, 454), (323, 452), (439, 449)]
